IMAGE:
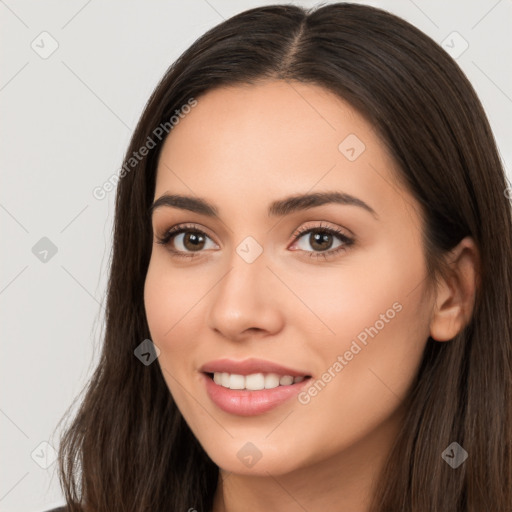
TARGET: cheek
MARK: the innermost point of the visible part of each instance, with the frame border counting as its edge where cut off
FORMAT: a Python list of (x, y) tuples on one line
[(171, 305), (345, 299), (174, 321), (378, 320), (361, 385)]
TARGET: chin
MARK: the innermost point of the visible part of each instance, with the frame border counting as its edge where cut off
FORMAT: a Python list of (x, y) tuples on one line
[(252, 458)]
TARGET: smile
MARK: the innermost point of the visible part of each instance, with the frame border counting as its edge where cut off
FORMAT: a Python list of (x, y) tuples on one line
[(246, 402), (254, 381)]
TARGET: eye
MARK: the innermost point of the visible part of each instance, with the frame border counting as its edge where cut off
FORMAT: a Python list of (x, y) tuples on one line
[(185, 241), (188, 241), (321, 240)]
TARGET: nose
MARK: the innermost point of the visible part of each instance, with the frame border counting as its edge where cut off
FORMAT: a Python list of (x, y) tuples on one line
[(247, 301)]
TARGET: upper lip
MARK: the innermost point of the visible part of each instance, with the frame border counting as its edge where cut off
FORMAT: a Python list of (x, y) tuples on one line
[(248, 366)]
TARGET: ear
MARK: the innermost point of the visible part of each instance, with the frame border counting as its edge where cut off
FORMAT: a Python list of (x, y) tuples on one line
[(455, 297)]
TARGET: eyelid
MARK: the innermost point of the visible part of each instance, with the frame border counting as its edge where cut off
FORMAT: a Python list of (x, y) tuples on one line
[(184, 227), (297, 232), (346, 241), (342, 231)]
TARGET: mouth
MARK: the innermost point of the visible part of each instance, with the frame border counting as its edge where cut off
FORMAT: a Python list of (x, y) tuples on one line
[(254, 381), (252, 394)]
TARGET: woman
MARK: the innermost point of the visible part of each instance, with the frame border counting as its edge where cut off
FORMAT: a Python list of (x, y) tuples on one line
[(309, 304)]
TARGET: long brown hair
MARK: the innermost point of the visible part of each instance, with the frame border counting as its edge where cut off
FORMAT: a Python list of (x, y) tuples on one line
[(128, 447)]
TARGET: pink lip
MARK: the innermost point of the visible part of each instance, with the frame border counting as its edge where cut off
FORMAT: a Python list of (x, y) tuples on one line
[(244, 402), (249, 403), (248, 366)]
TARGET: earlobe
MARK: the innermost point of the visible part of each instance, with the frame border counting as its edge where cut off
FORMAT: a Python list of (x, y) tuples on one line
[(455, 296)]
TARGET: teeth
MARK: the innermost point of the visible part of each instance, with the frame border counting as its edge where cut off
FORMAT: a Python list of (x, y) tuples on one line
[(236, 381), (254, 381), (271, 381), (286, 380)]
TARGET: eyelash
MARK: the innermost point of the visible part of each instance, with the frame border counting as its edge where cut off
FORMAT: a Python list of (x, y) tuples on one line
[(176, 230)]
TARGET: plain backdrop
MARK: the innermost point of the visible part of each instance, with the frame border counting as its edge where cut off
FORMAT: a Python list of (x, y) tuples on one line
[(75, 77)]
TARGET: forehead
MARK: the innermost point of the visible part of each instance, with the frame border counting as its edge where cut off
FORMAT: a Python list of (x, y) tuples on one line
[(259, 123), (273, 139)]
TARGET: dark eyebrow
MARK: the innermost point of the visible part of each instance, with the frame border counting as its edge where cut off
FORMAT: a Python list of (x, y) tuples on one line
[(277, 208)]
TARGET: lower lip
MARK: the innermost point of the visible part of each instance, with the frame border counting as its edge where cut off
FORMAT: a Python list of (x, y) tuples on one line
[(249, 403)]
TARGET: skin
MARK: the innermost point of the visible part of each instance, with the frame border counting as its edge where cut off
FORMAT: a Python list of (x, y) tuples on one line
[(241, 148)]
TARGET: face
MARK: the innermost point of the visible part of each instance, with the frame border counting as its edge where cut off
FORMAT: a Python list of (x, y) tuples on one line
[(333, 290)]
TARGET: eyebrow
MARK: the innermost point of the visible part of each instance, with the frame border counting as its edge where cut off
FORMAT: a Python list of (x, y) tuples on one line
[(277, 208)]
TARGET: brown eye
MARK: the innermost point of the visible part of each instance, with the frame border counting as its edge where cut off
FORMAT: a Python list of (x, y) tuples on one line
[(186, 241), (320, 241), (193, 241)]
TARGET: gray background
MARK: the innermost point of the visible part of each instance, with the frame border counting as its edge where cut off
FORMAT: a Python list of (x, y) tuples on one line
[(66, 120)]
